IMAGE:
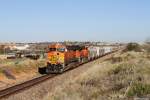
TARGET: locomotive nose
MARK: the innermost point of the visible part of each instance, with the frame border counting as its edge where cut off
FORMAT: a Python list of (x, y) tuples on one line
[(53, 58)]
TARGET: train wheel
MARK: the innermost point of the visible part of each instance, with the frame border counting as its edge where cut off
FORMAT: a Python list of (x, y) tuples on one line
[(82, 60), (47, 71), (61, 71), (79, 60), (62, 68)]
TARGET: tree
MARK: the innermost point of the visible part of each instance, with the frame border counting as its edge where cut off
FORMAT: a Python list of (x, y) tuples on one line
[(147, 41), (133, 47)]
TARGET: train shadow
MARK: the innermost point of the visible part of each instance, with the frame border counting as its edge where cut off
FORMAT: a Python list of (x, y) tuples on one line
[(42, 70)]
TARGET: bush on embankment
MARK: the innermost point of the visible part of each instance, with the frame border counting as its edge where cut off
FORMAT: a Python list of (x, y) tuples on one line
[(133, 47)]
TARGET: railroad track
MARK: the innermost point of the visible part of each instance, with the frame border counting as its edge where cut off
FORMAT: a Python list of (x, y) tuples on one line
[(20, 87)]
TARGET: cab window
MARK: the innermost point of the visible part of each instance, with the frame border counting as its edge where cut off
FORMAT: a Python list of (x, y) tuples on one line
[(61, 49), (52, 49)]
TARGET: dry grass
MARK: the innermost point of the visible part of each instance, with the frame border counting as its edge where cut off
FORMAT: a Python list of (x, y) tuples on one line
[(16, 71), (23, 65), (120, 77)]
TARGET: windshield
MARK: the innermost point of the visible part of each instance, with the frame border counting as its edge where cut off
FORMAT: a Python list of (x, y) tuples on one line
[(61, 49), (58, 49)]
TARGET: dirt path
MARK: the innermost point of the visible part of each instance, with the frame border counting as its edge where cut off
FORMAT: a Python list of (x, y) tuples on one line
[(39, 91)]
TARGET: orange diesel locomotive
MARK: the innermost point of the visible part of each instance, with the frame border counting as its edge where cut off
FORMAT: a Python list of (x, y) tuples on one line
[(60, 56)]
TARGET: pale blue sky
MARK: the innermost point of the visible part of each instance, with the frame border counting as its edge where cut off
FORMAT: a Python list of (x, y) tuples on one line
[(58, 20)]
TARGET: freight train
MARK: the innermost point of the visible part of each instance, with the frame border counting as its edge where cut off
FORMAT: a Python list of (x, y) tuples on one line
[(60, 56)]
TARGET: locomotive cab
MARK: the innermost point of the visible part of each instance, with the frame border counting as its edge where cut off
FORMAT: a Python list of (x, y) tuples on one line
[(56, 58)]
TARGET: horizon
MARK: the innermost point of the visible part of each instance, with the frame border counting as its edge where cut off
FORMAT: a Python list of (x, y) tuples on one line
[(36, 42), (74, 20)]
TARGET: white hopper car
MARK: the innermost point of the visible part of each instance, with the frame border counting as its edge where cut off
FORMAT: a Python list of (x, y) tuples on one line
[(96, 51), (108, 49)]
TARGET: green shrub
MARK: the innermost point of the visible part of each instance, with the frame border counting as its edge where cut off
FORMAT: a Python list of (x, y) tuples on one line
[(139, 89), (123, 68), (133, 47)]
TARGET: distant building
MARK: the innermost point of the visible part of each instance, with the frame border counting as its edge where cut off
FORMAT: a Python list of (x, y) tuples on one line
[(20, 47)]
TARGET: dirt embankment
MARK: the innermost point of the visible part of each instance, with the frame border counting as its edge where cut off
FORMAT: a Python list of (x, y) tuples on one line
[(19, 70)]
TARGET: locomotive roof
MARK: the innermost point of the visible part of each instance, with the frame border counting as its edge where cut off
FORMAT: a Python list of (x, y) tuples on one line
[(69, 47), (57, 45), (75, 47)]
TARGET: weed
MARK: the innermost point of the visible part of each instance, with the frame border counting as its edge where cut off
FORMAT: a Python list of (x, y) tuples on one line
[(139, 89)]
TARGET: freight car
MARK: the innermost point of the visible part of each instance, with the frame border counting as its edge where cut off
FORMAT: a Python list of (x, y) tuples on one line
[(95, 52), (60, 56), (108, 49)]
